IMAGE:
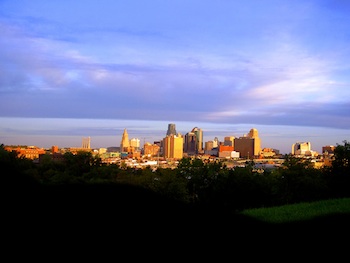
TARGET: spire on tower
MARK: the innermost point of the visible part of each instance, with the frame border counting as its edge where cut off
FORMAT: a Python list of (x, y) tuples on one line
[(124, 144)]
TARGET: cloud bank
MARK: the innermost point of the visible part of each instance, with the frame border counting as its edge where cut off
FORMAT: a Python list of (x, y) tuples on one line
[(185, 62)]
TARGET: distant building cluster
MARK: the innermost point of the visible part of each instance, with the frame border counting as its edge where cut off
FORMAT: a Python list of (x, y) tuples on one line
[(29, 152), (174, 146)]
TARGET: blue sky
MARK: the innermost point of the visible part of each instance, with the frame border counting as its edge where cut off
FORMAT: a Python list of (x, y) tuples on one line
[(71, 69)]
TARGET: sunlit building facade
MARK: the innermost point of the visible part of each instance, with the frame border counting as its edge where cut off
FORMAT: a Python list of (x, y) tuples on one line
[(151, 149), (125, 144), (193, 141), (135, 144), (216, 142), (249, 145), (301, 148), (29, 152), (86, 143), (173, 146)]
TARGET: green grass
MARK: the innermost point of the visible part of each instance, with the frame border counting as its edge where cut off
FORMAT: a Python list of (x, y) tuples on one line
[(300, 211)]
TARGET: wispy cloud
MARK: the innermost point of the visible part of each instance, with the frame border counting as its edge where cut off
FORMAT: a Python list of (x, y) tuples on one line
[(231, 73)]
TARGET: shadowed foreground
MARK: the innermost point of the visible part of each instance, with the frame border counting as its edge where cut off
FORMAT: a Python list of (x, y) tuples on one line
[(127, 216)]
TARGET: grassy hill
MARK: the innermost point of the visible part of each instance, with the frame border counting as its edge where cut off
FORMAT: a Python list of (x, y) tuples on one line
[(301, 212)]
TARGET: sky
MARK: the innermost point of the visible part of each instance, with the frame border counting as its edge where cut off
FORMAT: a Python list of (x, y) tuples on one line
[(84, 68)]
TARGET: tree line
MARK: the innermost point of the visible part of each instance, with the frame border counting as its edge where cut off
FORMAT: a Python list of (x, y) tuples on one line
[(194, 181)]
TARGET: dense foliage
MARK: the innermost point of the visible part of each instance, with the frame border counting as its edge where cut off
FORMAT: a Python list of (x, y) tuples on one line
[(210, 185)]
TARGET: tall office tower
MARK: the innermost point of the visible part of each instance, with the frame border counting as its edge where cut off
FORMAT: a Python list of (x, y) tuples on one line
[(190, 143), (124, 144), (85, 143), (253, 133), (193, 141), (135, 144), (173, 146), (248, 146), (208, 145), (171, 129), (216, 142), (199, 139)]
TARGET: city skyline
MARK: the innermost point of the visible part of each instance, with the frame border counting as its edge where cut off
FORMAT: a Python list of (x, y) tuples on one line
[(108, 133), (226, 67)]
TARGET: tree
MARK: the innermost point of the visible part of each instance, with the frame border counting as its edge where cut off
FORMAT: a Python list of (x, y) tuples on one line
[(17, 170), (341, 162), (339, 178), (78, 164)]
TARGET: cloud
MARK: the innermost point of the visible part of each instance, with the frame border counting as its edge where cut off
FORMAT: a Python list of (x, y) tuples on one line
[(280, 83)]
